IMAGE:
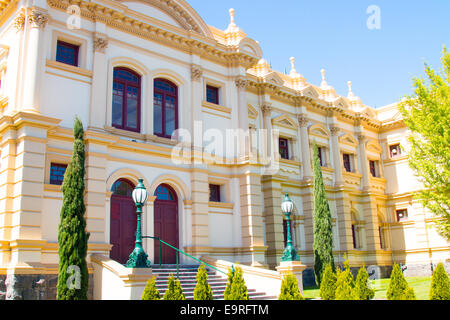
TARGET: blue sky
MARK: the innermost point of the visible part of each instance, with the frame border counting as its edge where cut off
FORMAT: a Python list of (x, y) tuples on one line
[(333, 35)]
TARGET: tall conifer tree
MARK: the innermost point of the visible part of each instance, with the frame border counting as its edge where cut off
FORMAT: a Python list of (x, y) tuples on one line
[(323, 227), (73, 276)]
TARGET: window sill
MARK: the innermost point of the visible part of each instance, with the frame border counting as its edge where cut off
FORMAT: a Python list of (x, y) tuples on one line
[(216, 107), (125, 133), (222, 205), (52, 187), (68, 68)]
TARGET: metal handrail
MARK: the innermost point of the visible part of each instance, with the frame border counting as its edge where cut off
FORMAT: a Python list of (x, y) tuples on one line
[(177, 256)]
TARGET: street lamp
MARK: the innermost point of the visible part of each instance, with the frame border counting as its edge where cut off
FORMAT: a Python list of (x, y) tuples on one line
[(138, 258), (290, 254)]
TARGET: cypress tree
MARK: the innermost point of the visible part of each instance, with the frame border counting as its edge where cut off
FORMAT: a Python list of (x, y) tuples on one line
[(238, 289), (440, 285), (328, 285), (174, 290), (397, 284), (289, 289), (345, 285), (409, 294), (323, 227), (227, 293), (363, 291), (150, 291), (202, 289), (73, 276)]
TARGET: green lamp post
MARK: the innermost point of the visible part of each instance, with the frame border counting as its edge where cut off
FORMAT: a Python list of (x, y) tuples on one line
[(138, 258), (290, 254)]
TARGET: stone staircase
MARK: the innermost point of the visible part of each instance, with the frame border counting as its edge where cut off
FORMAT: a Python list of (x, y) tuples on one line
[(188, 282)]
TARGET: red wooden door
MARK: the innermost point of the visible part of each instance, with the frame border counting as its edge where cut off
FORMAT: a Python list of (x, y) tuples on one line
[(123, 225), (166, 224)]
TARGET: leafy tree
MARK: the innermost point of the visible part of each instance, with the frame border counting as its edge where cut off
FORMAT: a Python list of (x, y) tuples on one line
[(150, 291), (362, 288), (345, 285), (427, 115), (397, 284), (238, 289), (174, 290), (323, 227), (72, 235), (440, 285), (289, 289), (202, 290), (328, 285)]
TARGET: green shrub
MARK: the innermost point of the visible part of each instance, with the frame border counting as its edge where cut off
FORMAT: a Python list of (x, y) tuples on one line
[(345, 285), (150, 291), (289, 289), (397, 284), (202, 290), (328, 285), (236, 288), (409, 294), (362, 288), (174, 290), (440, 285)]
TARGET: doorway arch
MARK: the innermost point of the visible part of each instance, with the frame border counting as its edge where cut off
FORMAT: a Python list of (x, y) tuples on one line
[(166, 225), (123, 221)]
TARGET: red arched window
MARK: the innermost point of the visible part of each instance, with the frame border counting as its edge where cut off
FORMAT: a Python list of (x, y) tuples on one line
[(165, 115), (126, 109), (122, 187)]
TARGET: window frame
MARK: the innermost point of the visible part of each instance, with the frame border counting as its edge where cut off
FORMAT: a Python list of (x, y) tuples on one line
[(163, 107), (285, 148), (68, 45), (58, 165), (404, 218), (350, 166), (217, 94), (375, 172), (217, 187), (393, 147), (127, 84)]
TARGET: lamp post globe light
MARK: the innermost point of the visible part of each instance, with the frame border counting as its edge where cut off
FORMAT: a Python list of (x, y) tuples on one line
[(138, 258), (290, 254)]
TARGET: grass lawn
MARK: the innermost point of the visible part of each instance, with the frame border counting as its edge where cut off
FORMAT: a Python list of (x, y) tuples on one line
[(421, 286)]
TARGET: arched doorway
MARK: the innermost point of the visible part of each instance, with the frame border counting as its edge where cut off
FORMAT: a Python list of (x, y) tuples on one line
[(166, 223), (123, 221)]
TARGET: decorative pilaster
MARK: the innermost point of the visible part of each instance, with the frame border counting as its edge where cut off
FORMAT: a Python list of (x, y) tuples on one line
[(338, 181), (266, 109), (196, 122), (196, 72), (364, 162), (303, 122), (37, 20), (97, 117), (244, 140)]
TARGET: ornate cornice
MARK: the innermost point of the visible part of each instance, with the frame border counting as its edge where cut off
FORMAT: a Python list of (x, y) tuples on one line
[(303, 120), (266, 109), (335, 131), (241, 83), (185, 40), (19, 22)]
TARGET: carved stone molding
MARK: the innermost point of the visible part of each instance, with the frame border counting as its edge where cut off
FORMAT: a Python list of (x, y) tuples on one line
[(302, 120), (38, 19), (100, 44), (361, 138), (19, 22), (241, 83), (196, 72), (335, 131), (266, 109)]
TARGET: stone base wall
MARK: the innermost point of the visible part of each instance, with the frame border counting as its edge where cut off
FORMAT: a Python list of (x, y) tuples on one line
[(423, 270), (33, 287)]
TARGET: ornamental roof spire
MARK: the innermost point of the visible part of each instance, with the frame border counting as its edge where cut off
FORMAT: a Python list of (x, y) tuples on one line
[(298, 81), (324, 85), (233, 34), (355, 101)]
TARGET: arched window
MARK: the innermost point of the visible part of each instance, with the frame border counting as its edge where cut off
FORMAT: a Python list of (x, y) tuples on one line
[(164, 192), (126, 109), (122, 188), (356, 231), (165, 115)]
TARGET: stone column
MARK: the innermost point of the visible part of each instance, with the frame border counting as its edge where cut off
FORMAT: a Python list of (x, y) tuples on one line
[(34, 63), (269, 160), (338, 181), (274, 220), (251, 217), (200, 209), (306, 152), (97, 115), (96, 176)]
